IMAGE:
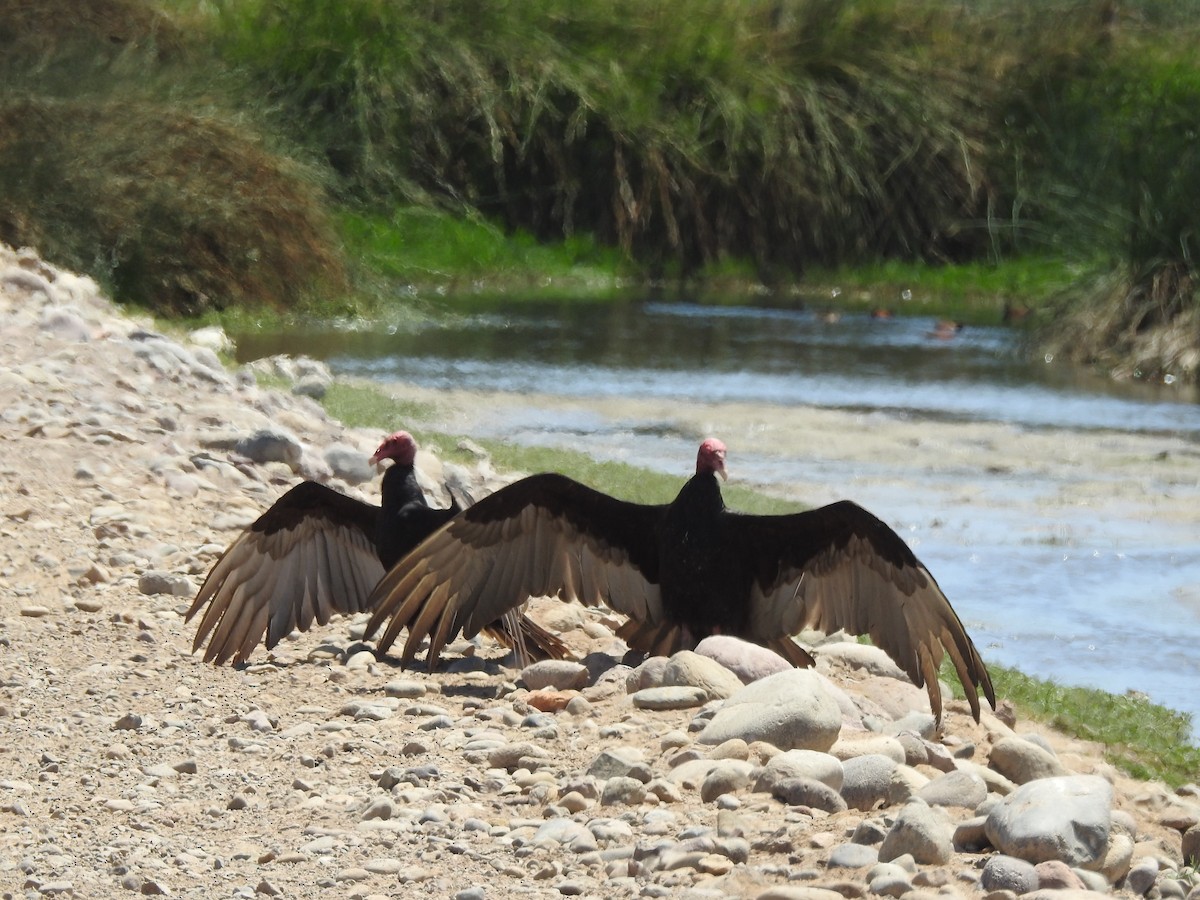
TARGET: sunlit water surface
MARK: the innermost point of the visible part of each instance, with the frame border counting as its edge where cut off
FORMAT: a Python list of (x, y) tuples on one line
[(1112, 604)]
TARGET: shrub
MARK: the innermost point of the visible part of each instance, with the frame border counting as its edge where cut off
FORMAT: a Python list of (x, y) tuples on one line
[(119, 157)]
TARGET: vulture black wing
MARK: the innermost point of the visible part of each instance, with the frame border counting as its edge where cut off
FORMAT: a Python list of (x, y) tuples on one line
[(839, 567), (545, 535), (309, 556)]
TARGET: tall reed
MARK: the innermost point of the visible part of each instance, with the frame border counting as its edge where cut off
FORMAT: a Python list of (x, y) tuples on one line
[(782, 132)]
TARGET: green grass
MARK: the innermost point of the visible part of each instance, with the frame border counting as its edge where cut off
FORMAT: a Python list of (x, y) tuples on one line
[(368, 407), (973, 292), (438, 253), (682, 139), (1143, 739)]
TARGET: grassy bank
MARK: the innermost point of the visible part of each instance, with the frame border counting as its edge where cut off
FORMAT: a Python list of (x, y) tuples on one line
[(432, 253), (1141, 738)]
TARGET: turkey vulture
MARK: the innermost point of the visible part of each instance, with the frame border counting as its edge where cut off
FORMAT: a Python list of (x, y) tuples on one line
[(680, 572), (318, 552)]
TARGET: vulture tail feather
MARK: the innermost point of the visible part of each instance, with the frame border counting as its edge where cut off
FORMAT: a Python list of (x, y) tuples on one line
[(792, 652)]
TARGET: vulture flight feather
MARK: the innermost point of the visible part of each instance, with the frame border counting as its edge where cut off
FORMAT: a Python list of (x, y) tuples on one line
[(679, 572), (317, 553)]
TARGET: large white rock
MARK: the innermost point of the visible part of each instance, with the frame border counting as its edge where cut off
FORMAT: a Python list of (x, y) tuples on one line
[(1022, 760), (747, 660), (689, 669), (923, 831), (812, 764), (1065, 818), (791, 710), (867, 780)]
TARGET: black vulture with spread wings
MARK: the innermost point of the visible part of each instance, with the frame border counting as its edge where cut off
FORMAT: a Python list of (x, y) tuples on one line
[(317, 553), (679, 572)]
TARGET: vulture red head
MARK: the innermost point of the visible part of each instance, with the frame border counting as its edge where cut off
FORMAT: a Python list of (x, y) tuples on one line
[(399, 446), (711, 458)]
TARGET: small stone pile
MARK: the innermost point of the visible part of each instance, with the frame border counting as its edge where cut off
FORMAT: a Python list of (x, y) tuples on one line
[(130, 458)]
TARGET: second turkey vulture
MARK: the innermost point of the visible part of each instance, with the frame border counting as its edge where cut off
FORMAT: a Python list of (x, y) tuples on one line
[(680, 571), (317, 553)]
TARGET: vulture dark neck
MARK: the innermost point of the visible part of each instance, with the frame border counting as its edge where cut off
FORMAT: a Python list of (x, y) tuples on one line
[(702, 495), (405, 518), (700, 582), (400, 488)]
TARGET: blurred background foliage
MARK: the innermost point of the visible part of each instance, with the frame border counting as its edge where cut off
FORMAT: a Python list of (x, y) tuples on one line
[(197, 155)]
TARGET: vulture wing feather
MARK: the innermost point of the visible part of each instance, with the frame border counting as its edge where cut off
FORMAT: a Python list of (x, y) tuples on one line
[(546, 535), (839, 567), (310, 555)]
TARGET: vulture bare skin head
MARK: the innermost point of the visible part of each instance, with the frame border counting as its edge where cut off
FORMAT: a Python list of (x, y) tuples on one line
[(399, 447), (680, 572), (711, 458), (317, 553)]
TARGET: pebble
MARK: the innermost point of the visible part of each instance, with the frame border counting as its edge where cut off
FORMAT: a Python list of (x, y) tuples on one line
[(808, 792), (853, 856), (867, 657), (747, 660), (790, 710), (1056, 875), (867, 780), (404, 690), (1007, 873), (880, 744), (553, 701), (958, 788), (555, 674), (1022, 761), (668, 698), (1141, 877), (728, 776), (267, 445), (568, 833), (618, 762), (822, 767), (173, 584), (922, 832), (622, 790), (1190, 846), (689, 669)]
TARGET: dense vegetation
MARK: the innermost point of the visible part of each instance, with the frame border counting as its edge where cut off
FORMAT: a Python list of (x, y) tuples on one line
[(199, 156)]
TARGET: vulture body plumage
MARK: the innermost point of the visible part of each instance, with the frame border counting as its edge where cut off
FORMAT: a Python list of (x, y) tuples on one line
[(317, 553), (680, 572)]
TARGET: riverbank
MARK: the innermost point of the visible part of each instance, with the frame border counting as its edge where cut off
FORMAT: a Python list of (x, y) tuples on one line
[(131, 766)]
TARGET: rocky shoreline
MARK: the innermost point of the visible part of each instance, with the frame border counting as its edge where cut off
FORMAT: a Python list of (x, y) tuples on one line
[(130, 459)]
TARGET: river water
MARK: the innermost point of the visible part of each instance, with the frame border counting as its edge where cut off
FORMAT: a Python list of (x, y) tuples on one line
[(1032, 490)]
